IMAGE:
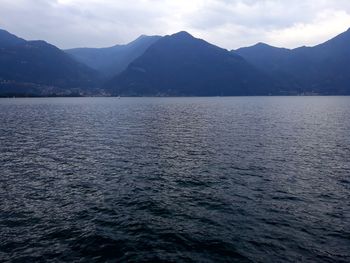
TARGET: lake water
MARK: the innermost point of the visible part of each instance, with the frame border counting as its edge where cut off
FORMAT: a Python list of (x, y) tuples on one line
[(245, 179)]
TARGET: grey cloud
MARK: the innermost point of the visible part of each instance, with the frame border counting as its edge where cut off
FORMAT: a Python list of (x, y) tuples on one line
[(228, 23)]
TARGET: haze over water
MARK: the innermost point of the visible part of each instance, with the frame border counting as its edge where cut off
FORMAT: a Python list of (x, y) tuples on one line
[(245, 179)]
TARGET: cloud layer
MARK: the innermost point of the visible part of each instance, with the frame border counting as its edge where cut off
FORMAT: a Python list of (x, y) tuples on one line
[(227, 23)]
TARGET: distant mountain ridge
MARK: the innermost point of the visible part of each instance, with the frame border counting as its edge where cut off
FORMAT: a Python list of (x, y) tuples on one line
[(39, 68), (322, 69), (113, 60), (174, 65), (186, 66)]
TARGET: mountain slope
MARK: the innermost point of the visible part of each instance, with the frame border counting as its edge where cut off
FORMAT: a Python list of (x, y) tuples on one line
[(7, 39), (36, 67), (113, 60), (322, 69), (183, 65), (264, 56)]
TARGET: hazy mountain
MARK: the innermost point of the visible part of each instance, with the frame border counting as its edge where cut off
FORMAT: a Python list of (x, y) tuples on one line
[(113, 60), (323, 69), (183, 65), (36, 67)]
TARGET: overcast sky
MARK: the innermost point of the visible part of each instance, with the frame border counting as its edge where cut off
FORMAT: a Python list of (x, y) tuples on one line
[(227, 23)]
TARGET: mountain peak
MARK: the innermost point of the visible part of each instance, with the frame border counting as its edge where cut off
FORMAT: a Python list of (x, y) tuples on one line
[(182, 34), (141, 37), (181, 64), (261, 45)]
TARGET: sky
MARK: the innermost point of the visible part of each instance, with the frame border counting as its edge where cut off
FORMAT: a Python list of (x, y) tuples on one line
[(227, 23)]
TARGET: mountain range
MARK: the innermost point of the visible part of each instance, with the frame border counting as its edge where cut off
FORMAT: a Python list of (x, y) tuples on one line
[(113, 60), (173, 65), (181, 65), (36, 68), (322, 69)]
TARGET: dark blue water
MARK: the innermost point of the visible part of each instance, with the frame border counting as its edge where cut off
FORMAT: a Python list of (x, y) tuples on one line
[(260, 179)]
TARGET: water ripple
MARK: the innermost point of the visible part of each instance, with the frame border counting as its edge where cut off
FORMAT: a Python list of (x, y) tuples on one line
[(175, 179)]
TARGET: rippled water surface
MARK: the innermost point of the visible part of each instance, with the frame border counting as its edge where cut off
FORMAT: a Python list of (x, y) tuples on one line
[(260, 179)]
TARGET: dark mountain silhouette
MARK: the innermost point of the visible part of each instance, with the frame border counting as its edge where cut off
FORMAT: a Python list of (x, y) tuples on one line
[(174, 65), (322, 69), (113, 60), (7, 39), (264, 56), (183, 65), (37, 68)]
